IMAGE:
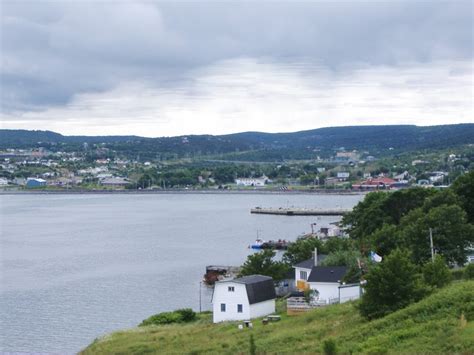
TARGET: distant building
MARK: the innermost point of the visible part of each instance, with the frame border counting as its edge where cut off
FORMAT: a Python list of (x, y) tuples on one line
[(251, 181), (3, 182), (35, 182), (115, 182), (343, 175), (243, 298), (380, 183)]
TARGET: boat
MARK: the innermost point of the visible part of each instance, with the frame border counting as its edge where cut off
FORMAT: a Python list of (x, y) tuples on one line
[(280, 244), (258, 244)]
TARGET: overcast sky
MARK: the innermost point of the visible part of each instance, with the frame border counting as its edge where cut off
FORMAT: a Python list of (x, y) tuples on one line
[(156, 68)]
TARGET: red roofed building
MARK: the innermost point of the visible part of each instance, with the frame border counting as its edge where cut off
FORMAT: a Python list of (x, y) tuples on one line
[(379, 183)]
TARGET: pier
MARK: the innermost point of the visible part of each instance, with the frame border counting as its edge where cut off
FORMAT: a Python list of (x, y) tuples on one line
[(302, 211)]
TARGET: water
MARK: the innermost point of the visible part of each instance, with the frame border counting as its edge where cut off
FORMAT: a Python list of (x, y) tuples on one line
[(74, 267)]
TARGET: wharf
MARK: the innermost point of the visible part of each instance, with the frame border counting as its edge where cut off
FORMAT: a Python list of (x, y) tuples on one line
[(302, 211)]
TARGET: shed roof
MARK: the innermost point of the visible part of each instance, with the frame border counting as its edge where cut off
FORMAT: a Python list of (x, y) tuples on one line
[(309, 264), (259, 287), (327, 274)]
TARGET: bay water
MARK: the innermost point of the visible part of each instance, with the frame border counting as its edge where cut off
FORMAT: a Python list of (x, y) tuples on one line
[(75, 267)]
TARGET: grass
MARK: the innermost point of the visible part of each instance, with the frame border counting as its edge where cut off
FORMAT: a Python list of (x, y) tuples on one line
[(442, 323)]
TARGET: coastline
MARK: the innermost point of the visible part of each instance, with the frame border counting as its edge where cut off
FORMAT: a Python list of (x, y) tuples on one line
[(181, 191)]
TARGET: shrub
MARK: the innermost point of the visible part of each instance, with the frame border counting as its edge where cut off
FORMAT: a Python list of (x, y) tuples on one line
[(391, 285), (457, 274), (436, 273), (329, 347), (469, 272), (179, 316), (187, 314)]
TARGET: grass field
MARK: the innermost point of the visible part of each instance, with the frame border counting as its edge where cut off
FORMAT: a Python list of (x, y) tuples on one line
[(442, 323)]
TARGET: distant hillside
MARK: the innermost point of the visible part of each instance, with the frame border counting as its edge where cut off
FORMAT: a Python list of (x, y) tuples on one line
[(442, 323), (261, 146)]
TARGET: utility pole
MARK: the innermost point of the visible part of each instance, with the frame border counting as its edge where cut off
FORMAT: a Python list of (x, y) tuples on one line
[(200, 307), (431, 245)]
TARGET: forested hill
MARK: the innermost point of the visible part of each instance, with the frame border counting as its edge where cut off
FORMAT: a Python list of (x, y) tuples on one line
[(262, 146)]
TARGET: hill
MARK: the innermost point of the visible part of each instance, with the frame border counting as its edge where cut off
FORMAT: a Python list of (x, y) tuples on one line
[(257, 146), (441, 323)]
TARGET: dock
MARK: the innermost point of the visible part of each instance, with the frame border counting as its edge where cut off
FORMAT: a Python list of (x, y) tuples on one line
[(302, 211)]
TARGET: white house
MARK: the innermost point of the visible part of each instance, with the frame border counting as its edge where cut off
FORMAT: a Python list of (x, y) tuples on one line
[(327, 281), (243, 298), (252, 181)]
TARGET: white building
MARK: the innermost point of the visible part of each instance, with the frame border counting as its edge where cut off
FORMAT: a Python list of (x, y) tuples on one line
[(251, 181), (326, 281), (243, 298), (343, 175)]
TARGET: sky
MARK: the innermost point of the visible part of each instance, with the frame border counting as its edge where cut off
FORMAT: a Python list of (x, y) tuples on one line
[(167, 68)]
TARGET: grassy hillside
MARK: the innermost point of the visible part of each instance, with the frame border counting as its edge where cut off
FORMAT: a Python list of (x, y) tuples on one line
[(442, 323)]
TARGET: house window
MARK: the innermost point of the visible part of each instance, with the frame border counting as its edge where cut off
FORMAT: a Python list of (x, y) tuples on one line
[(222, 307), (231, 288), (303, 275), (240, 308)]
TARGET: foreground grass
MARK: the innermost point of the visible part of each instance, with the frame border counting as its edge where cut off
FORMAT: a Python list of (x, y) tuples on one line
[(441, 323)]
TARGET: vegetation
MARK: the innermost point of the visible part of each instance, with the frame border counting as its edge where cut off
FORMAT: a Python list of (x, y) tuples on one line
[(439, 324), (262, 263), (384, 222), (184, 315), (391, 285), (436, 273)]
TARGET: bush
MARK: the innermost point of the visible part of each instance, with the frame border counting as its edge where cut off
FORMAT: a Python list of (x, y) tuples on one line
[(436, 273), (391, 285), (329, 347), (457, 274), (469, 272), (179, 316), (187, 314)]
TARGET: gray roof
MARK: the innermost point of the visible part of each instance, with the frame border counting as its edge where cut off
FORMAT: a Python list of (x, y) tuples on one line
[(308, 264), (259, 288), (327, 273)]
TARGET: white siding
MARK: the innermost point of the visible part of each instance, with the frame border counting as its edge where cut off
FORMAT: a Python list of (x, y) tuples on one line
[(231, 300), (298, 272), (262, 309), (349, 293), (327, 290)]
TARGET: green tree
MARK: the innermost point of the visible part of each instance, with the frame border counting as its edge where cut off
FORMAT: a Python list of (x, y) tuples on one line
[(262, 263), (436, 273), (349, 258), (464, 188), (302, 249), (452, 235), (391, 285)]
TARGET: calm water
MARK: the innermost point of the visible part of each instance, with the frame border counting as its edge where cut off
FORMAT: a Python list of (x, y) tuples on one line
[(74, 267)]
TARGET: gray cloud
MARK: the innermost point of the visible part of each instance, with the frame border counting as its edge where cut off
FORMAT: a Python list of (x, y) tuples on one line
[(52, 51)]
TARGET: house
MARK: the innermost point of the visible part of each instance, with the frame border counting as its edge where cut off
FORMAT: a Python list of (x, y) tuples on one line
[(326, 281), (35, 182), (243, 298), (251, 181), (379, 183), (343, 175), (115, 182)]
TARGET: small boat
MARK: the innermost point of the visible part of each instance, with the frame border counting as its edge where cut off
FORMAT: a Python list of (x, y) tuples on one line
[(258, 244), (280, 244)]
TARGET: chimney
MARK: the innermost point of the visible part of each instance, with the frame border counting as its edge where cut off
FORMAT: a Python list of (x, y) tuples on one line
[(315, 256)]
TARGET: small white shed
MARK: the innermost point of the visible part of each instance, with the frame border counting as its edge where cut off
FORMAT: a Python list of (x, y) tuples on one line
[(243, 298)]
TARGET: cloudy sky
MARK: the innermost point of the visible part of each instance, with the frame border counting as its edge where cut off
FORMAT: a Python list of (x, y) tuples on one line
[(161, 68)]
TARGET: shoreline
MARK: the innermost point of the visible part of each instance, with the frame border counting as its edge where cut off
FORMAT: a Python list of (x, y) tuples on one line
[(181, 191)]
